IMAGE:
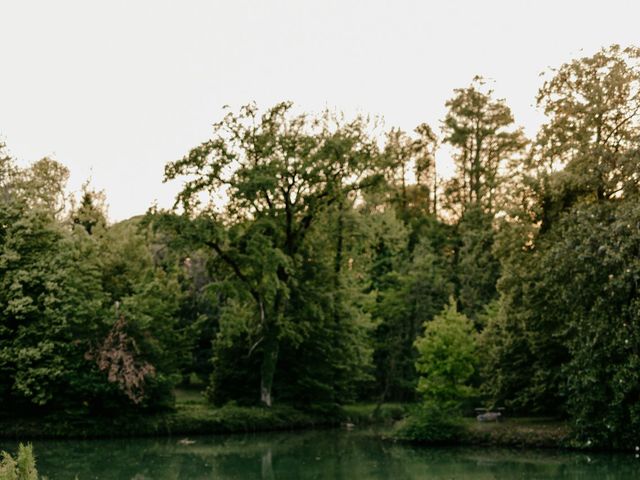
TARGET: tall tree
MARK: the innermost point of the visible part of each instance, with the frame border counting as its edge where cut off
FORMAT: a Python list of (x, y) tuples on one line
[(410, 171), (484, 139), (43, 186), (7, 171), (485, 145), (91, 211), (561, 340), (593, 105), (407, 257), (279, 172)]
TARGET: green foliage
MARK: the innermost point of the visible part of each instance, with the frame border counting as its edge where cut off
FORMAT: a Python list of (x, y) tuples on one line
[(90, 214), (488, 149), (281, 173), (50, 302), (526, 338), (331, 362), (175, 247), (430, 424), (310, 283), (402, 153), (23, 467), (481, 131), (406, 300), (325, 356), (562, 339), (593, 106), (57, 303), (477, 268), (446, 359), (408, 255), (41, 186), (601, 319)]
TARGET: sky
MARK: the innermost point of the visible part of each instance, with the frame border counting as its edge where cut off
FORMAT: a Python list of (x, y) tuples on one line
[(116, 89)]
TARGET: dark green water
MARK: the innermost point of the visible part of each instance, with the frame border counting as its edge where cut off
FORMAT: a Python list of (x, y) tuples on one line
[(330, 454)]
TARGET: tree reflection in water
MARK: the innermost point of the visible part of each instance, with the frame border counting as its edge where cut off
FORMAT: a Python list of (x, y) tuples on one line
[(320, 454)]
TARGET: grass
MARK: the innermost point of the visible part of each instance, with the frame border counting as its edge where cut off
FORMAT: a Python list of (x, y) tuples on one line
[(369, 413), (523, 432), (518, 432), (193, 415)]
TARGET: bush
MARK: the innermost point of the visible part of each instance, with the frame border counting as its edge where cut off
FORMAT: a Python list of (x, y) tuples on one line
[(446, 362), (23, 467), (446, 359), (428, 424)]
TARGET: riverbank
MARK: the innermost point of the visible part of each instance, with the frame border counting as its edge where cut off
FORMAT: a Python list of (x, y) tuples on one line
[(522, 432), (517, 432), (193, 416)]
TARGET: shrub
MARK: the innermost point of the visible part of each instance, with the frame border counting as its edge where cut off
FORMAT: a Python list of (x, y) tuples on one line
[(446, 363), (446, 359), (23, 467), (431, 425)]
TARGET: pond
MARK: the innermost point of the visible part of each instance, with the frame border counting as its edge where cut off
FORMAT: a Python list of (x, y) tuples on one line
[(318, 454)]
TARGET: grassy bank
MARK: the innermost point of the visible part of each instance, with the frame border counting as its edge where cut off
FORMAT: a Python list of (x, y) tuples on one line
[(193, 416), (517, 432), (521, 432)]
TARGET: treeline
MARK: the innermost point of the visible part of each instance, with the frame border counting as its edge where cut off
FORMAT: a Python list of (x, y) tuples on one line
[(308, 256)]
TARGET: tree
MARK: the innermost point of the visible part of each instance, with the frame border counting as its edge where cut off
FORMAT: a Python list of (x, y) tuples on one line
[(7, 172), (91, 213), (330, 361), (42, 186), (477, 269), (593, 105), (602, 320), (279, 172), (403, 153), (409, 257), (560, 341), (486, 146), (481, 132), (446, 362), (71, 319), (325, 356), (410, 290), (386, 244), (446, 358), (51, 305), (565, 341), (144, 298)]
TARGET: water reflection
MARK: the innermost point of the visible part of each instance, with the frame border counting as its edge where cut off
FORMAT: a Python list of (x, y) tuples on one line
[(329, 454)]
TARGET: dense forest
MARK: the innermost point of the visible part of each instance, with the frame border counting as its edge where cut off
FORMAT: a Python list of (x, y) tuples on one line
[(318, 259)]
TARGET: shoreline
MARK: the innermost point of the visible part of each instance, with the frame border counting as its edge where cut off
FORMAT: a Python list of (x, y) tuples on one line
[(192, 419), (528, 432), (198, 419), (193, 416), (521, 433)]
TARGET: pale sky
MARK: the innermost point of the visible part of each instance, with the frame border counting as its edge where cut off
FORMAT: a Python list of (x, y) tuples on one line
[(115, 89)]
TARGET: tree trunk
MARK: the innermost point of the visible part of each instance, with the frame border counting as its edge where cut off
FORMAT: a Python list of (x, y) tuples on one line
[(271, 346), (267, 465)]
